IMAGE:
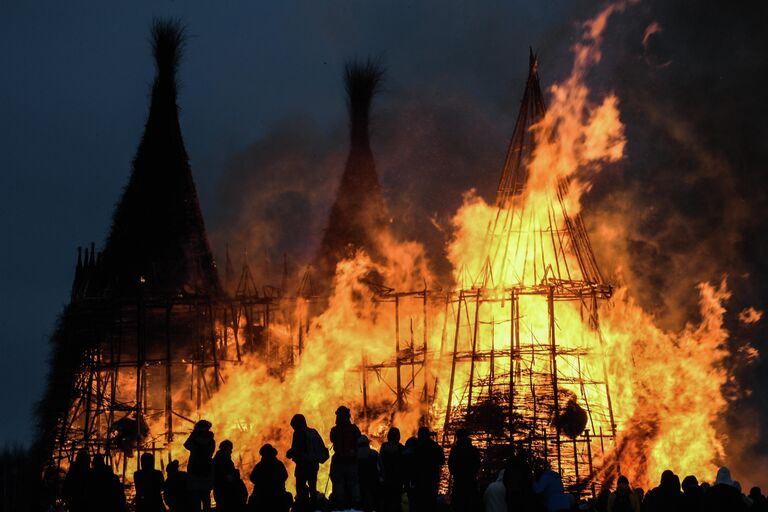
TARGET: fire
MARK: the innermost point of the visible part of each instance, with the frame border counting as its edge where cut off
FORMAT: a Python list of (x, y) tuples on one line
[(660, 391)]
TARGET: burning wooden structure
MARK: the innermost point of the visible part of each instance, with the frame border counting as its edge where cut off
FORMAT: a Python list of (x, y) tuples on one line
[(148, 325), (140, 349)]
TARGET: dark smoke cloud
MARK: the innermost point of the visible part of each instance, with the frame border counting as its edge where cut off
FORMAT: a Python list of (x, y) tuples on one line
[(691, 193)]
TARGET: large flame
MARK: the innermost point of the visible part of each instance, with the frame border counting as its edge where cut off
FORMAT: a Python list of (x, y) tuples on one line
[(664, 386)]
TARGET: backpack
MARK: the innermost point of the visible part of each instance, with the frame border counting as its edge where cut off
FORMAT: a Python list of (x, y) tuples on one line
[(316, 450), (622, 502)]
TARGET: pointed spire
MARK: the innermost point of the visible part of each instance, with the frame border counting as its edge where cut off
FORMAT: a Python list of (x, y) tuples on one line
[(359, 212), (158, 232), (532, 110), (551, 244)]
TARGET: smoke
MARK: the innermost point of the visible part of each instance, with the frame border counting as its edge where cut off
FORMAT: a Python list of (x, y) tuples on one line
[(686, 205)]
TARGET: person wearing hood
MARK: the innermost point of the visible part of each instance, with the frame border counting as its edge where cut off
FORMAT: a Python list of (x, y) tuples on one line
[(307, 451), (463, 464), (368, 474), (623, 499), (666, 497), (201, 445), (344, 436), (723, 495), (495, 495), (549, 485), (268, 478)]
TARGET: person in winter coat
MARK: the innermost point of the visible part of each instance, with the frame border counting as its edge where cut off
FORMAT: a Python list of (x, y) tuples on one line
[(495, 496), (392, 472), (368, 474), (148, 482), (228, 489), (409, 471), (307, 463), (518, 481), (105, 492), (549, 486), (344, 436), (201, 445), (759, 503), (268, 478), (623, 499), (74, 487), (666, 497), (464, 463), (175, 488), (692, 495), (428, 460), (723, 496)]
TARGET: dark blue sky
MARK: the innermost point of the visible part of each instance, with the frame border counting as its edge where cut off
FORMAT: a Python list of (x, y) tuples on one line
[(263, 118)]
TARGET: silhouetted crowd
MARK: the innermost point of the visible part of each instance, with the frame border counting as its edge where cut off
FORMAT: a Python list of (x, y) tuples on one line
[(398, 478)]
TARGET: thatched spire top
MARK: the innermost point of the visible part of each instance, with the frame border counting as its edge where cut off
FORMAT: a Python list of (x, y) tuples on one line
[(362, 80), (168, 40)]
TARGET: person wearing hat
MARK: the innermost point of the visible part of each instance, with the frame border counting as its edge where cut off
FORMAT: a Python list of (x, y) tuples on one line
[(201, 446), (268, 478), (344, 478), (428, 460)]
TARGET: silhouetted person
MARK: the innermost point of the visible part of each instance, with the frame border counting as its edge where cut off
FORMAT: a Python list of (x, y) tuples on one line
[(344, 436), (640, 493), (76, 481), (428, 460), (228, 488), (149, 485), (464, 463), (549, 487), (307, 451), (692, 495), (666, 497), (623, 499), (601, 504), (409, 471), (392, 472), (518, 481), (268, 478), (201, 446), (495, 495), (723, 496), (175, 491), (759, 503), (105, 492), (368, 474)]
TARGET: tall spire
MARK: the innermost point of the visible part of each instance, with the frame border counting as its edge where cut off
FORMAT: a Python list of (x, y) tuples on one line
[(528, 244), (158, 235), (359, 213), (532, 110)]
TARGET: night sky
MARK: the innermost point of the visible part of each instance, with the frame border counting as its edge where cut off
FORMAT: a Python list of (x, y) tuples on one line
[(263, 117)]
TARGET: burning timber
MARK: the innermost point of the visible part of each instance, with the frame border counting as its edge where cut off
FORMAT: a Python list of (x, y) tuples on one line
[(151, 338)]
